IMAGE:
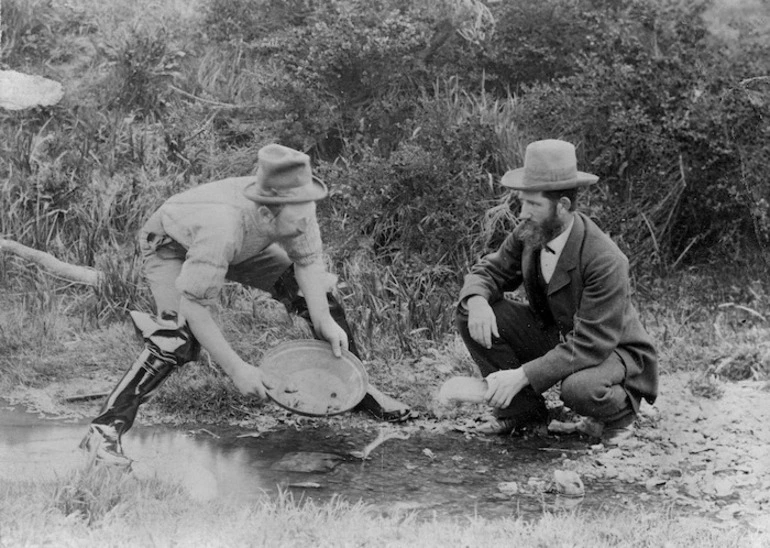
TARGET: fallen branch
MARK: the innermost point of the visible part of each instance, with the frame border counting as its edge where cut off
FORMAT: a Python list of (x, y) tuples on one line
[(52, 265), (383, 436)]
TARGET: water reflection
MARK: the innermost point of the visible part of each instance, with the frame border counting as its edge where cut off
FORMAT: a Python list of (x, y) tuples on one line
[(43, 449)]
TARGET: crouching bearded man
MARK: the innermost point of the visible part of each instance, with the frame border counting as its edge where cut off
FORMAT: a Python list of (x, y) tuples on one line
[(579, 326), (260, 231)]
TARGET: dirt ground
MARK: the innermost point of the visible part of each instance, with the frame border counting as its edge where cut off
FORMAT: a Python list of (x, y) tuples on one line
[(706, 451)]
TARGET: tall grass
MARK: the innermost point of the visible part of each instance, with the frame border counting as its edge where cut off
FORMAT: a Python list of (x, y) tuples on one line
[(97, 507)]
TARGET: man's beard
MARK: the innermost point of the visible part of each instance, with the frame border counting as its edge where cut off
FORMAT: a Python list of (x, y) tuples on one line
[(537, 235)]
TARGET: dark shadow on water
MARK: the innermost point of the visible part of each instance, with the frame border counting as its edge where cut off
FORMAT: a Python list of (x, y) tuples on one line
[(431, 474)]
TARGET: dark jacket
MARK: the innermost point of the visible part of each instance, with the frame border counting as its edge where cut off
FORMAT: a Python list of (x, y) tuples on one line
[(589, 298)]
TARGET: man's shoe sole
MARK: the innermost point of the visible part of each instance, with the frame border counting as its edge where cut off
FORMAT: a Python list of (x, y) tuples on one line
[(373, 407)]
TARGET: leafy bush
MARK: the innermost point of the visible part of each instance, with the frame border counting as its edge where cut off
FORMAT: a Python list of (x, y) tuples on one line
[(667, 124), (143, 66), (347, 74), (538, 41)]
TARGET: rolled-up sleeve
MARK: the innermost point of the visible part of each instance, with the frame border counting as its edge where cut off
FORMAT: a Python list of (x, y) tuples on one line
[(209, 255)]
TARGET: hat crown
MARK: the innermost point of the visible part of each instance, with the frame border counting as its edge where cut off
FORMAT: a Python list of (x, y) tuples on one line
[(550, 161), (284, 176), (550, 164), (283, 166)]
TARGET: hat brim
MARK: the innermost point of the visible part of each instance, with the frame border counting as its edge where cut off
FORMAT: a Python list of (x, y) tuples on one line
[(515, 179), (308, 193)]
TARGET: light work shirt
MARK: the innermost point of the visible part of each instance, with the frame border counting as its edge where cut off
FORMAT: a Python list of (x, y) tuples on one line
[(220, 227)]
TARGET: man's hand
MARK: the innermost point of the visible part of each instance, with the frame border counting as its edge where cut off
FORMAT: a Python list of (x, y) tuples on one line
[(313, 281), (504, 385), (249, 380), (482, 323), (329, 330)]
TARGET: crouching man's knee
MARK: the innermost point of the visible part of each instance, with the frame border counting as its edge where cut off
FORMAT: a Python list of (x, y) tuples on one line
[(590, 396)]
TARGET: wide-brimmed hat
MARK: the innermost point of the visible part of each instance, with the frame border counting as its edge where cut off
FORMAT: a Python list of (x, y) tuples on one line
[(284, 177), (548, 165)]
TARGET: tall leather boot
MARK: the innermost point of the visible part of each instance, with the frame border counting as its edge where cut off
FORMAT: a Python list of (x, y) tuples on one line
[(167, 346), (376, 403)]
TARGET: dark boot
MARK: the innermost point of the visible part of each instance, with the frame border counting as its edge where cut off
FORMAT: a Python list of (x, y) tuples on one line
[(167, 346), (379, 405)]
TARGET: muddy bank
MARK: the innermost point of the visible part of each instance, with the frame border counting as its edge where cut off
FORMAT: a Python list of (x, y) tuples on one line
[(697, 455)]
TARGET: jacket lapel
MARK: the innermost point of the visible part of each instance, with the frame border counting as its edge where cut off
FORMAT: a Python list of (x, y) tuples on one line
[(529, 274), (569, 258)]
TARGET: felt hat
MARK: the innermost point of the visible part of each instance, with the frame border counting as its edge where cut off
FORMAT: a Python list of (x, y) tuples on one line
[(284, 177), (548, 165)]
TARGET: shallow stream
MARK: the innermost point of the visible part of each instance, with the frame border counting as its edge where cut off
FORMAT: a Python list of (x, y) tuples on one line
[(441, 474)]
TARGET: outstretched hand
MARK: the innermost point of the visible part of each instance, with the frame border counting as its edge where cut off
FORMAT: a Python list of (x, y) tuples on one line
[(249, 381), (504, 385), (330, 330)]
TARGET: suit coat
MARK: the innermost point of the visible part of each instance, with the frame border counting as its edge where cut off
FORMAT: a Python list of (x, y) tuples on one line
[(589, 298)]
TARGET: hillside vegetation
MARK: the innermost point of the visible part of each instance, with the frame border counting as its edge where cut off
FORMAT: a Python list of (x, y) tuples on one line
[(411, 111)]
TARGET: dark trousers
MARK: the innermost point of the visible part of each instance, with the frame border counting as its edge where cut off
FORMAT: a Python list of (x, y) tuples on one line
[(595, 392)]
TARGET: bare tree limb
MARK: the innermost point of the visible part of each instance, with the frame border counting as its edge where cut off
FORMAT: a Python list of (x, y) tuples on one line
[(49, 263)]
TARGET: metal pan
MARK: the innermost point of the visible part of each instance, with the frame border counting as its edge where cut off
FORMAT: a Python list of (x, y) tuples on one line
[(305, 377)]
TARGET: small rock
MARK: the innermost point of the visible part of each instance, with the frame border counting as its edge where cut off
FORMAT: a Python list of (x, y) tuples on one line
[(722, 488), (306, 485), (508, 487), (20, 91), (559, 427), (307, 462), (568, 483), (653, 484), (610, 472)]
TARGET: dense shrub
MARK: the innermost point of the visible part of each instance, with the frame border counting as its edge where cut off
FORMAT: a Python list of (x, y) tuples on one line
[(667, 125), (412, 110), (538, 41), (350, 73)]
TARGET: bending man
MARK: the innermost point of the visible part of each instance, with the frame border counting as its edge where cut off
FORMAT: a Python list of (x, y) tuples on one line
[(260, 231)]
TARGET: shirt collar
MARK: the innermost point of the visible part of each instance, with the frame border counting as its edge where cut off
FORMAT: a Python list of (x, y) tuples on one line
[(558, 243)]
